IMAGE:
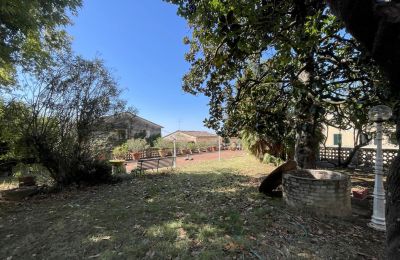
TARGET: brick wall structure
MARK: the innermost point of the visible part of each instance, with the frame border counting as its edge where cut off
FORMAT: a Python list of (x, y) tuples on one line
[(320, 191)]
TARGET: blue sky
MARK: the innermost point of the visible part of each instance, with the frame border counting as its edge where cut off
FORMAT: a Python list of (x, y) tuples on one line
[(141, 41)]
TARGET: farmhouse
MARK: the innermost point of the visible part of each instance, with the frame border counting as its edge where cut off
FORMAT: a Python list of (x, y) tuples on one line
[(127, 125), (192, 136)]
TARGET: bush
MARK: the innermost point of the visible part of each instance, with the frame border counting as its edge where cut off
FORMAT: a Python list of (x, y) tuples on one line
[(163, 143), (192, 146), (75, 96), (270, 159), (136, 145), (95, 172), (120, 151)]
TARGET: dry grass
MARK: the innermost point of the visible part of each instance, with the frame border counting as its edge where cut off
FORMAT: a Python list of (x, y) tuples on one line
[(207, 211)]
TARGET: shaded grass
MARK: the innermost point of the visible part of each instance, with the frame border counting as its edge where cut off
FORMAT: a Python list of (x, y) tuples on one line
[(205, 211)]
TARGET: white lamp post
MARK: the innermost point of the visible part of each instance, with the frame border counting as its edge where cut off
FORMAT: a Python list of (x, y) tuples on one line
[(379, 114)]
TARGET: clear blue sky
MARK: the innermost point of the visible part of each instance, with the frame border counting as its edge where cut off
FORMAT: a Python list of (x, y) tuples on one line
[(141, 41)]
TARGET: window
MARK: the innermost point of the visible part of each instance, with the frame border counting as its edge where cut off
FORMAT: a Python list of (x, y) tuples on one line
[(337, 139), (393, 139), (121, 134)]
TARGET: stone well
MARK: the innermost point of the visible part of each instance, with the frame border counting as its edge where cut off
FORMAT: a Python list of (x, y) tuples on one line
[(321, 191)]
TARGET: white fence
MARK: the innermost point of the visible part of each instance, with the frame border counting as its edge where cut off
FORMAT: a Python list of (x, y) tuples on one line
[(365, 156)]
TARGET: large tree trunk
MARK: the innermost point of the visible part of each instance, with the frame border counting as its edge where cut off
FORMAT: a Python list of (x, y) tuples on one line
[(393, 198), (307, 134), (377, 27)]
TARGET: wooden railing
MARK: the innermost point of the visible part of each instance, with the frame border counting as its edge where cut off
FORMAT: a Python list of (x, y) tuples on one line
[(156, 152)]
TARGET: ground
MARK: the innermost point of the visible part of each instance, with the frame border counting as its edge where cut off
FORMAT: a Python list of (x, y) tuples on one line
[(206, 210)]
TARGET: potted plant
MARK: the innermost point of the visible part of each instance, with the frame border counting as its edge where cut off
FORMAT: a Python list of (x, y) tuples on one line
[(163, 145), (192, 147), (135, 146), (120, 152)]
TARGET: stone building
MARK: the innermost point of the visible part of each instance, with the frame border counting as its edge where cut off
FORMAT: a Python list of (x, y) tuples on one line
[(193, 137), (126, 125)]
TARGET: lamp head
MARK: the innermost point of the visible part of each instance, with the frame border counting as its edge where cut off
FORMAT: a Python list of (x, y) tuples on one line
[(379, 113)]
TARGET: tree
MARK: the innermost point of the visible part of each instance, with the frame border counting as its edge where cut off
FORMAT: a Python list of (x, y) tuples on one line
[(377, 27), (228, 34), (298, 44), (29, 31), (67, 105), (12, 148)]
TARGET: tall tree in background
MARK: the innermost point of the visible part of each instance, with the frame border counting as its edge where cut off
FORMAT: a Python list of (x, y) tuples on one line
[(29, 31), (295, 43), (377, 27)]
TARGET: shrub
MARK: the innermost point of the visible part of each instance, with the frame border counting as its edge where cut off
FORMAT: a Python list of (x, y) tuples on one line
[(120, 151), (270, 159), (192, 146), (94, 173), (74, 95), (163, 143), (136, 145)]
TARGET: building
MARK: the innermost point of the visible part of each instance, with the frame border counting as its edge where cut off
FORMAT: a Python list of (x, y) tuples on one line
[(192, 136), (335, 136), (126, 125)]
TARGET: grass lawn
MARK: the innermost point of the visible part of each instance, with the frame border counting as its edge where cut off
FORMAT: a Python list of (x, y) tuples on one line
[(209, 211)]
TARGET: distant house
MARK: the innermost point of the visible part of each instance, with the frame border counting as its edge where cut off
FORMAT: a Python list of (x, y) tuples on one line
[(126, 125), (192, 136), (335, 136)]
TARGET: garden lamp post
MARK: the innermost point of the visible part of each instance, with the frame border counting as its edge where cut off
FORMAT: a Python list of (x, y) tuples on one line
[(379, 114)]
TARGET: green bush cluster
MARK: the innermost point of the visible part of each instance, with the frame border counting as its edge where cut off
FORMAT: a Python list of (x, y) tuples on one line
[(136, 145), (270, 159)]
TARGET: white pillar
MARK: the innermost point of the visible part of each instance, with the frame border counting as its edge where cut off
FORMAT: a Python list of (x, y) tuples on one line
[(174, 163), (378, 217)]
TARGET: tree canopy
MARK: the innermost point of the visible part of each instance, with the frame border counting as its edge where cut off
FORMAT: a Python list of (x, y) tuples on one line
[(240, 49), (29, 31), (376, 25)]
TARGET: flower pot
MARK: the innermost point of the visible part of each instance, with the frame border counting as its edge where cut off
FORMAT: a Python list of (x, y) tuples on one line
[(136, 156), (26, 181), (162, 153)]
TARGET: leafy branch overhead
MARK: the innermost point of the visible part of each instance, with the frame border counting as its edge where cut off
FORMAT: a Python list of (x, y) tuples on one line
[(29, 31), (228, 39)]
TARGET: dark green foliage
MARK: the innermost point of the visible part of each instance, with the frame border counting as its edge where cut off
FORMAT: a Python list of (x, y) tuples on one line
[(259, 60), (94, 172), (151, 139), (140, 135), (29, 31), (376, 25), (66, 111)]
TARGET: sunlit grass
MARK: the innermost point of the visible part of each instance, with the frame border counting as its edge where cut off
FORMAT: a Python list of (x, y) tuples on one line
[(210, 210)]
